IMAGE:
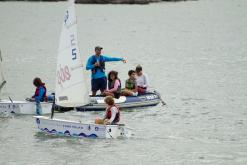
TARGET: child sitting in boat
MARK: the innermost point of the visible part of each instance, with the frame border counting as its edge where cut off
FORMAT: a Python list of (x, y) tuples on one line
[(112, 113), (40, 92), (114, 85), (130, 85), (141, 80), (39, 95)]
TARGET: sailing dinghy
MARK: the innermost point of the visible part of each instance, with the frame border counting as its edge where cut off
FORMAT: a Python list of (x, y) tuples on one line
[(19, 107), (71, 89)]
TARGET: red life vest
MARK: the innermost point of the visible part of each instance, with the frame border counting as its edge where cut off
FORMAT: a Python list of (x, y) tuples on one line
[(108, 114), (44, 98)]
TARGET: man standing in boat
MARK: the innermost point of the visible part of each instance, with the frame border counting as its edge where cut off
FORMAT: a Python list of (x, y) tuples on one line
[(96, 63)]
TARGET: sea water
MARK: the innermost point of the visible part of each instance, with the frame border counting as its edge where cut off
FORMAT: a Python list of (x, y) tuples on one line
[(195, 55)]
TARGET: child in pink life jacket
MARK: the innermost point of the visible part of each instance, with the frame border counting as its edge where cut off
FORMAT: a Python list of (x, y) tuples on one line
[(114, 85)]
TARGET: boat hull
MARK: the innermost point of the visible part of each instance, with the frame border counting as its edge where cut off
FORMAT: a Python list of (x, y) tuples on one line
[(23, 107), (76, 129), (149, 99)]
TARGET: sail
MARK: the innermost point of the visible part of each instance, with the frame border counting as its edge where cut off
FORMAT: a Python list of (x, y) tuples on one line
[(71, 89), (2, 80)]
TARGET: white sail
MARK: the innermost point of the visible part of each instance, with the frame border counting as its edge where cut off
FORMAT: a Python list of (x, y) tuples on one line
[(71, 89), (2, 80)]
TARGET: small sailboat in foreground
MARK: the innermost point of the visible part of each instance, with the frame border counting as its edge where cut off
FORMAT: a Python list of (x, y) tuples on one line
[(19, 107), (71, 89)]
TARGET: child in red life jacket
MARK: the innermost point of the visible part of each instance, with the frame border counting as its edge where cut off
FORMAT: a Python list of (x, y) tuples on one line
[(39, 95), (112, 114), (40, 92)]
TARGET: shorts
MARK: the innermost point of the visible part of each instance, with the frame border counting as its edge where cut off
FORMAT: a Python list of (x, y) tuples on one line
[(117, 95), (99, 84), (141, 90)]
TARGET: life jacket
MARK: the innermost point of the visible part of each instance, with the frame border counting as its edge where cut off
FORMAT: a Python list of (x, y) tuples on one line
[(108, 114), (44, 97), (101, 62), (130, 84), (111, 85)]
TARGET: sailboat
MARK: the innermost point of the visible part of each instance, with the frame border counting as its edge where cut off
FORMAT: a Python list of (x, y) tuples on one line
[(18, 107), (71, 89)]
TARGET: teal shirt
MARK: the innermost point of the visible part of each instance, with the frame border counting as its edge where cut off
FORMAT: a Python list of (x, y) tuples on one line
[(99, 73)]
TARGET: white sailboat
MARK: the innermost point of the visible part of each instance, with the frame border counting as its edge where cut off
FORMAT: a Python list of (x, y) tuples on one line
[(71, 89), (18, 107)]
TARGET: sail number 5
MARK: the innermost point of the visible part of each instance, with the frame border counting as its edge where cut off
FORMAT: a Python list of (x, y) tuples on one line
[(73, 45), (63, 74)]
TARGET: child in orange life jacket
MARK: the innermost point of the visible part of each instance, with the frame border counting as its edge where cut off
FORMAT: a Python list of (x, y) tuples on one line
[(112, 114)]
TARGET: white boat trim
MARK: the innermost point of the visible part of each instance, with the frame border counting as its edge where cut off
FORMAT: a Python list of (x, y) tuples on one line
[(23, 107)]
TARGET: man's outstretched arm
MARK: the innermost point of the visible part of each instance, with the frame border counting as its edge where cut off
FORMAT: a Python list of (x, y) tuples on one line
[(109, 59)]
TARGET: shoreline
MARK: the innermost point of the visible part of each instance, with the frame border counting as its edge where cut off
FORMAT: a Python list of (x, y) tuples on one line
[(102, 1)]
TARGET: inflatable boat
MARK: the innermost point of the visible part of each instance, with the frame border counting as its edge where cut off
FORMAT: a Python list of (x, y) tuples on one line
[(147, 99)]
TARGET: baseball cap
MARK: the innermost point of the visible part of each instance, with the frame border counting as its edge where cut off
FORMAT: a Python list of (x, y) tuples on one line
[(98, 48)]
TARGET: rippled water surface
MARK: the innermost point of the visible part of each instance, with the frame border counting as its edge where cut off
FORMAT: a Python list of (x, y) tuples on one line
[(195, 54)]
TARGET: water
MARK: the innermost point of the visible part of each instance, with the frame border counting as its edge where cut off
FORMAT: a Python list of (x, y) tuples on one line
[(194, 53)]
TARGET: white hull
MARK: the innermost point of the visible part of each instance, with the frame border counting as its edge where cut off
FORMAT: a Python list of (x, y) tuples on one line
[(23, 107), (80, 130)]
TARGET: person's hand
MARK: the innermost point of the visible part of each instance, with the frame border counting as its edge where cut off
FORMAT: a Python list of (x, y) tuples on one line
[(106, 121), (30, 99), (124, 61), (96, 64)]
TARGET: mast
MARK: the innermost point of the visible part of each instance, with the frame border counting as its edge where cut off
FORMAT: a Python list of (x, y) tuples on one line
[(2, 79)]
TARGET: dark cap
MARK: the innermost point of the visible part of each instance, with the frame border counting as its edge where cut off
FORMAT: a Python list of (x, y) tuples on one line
[(98, 48)]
